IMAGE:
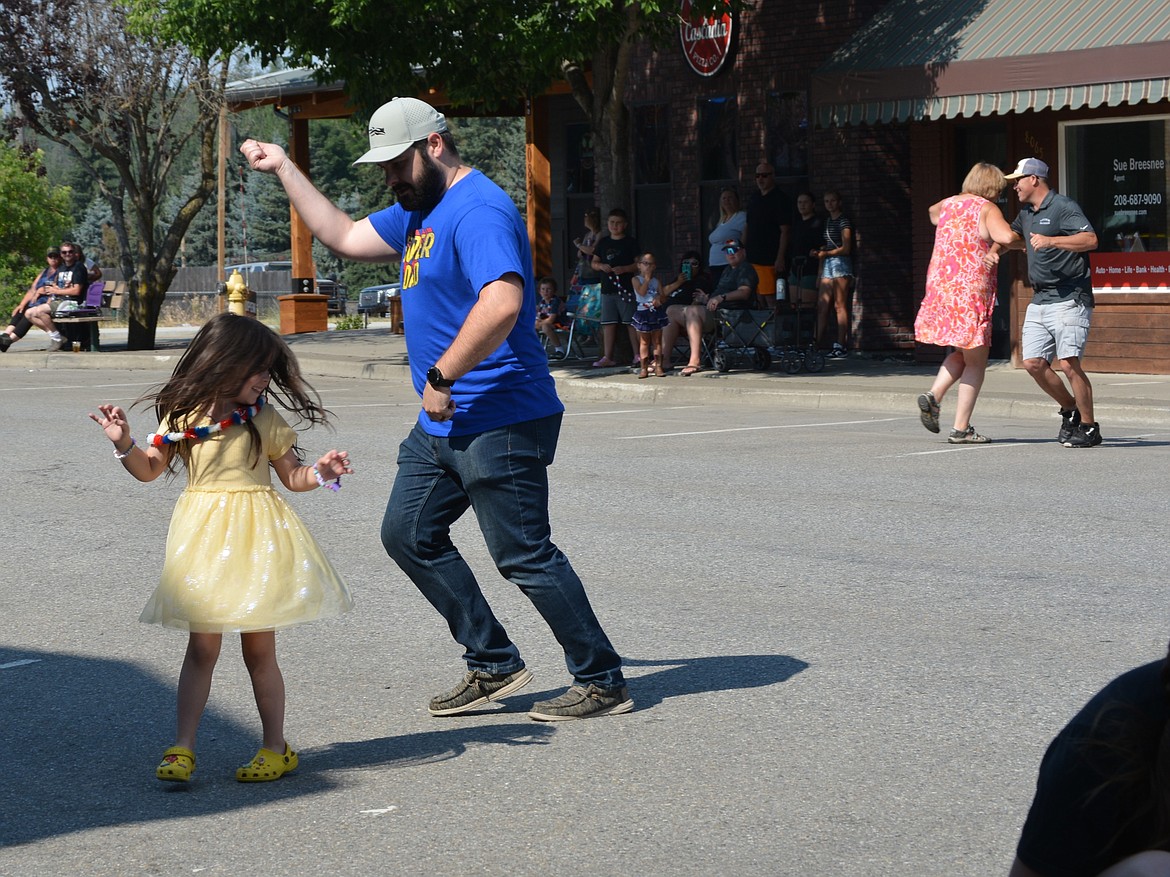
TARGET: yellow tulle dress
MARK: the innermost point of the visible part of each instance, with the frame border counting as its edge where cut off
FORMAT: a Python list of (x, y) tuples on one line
[(238, 557)]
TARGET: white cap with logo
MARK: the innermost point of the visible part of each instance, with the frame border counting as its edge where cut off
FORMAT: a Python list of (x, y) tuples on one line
[(398, 124), (1028, 167)]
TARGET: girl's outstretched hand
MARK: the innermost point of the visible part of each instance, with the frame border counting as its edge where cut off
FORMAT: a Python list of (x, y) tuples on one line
[(334, 464), (113, 420)]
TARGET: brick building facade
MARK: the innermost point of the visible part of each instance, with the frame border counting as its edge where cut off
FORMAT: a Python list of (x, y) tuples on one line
[(763, 84), (890, 103)]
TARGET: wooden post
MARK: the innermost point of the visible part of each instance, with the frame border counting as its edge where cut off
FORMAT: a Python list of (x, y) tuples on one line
[(539, 181), (301, 239)]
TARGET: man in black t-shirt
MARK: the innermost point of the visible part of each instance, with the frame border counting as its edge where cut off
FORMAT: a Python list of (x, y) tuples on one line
[(769, 224)]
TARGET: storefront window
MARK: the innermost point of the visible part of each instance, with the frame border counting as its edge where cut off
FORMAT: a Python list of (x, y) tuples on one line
[(652, 196), (718, 122), (651, 145), (787, 133), (718, 158), (1118, 171)]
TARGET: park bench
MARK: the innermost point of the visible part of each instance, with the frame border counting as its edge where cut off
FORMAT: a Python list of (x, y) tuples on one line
[(113, 291)]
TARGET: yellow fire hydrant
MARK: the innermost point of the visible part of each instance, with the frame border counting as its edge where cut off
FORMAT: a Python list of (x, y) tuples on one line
[(237, 292)]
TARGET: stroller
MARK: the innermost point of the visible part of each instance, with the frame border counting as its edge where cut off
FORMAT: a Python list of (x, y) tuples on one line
[(743, 338)]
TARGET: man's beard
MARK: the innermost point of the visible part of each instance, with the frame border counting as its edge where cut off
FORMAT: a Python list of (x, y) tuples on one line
[(426, 190)]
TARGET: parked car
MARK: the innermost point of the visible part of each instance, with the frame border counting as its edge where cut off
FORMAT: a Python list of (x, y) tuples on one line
[(376, 299), (338, 295), (249, 267)]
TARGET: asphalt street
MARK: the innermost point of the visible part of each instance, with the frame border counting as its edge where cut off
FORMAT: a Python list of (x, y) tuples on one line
[(849, 644)]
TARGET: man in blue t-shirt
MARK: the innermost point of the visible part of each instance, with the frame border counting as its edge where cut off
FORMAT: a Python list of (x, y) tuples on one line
[(490, 414)]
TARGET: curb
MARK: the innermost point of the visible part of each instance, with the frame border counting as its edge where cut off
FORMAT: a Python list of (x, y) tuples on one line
[(740, 388)]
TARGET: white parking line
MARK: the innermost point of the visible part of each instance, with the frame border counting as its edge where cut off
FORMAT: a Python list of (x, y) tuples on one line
[(373, 405), (950, 449), (631, 410), (41, 389), (758, 428), (1011, 444), (12, 664)]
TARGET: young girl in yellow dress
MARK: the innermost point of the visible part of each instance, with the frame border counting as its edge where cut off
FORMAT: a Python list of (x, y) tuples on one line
[(238, 558)]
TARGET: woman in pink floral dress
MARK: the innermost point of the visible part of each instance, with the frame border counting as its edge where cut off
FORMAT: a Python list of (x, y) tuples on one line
[(960, 296)]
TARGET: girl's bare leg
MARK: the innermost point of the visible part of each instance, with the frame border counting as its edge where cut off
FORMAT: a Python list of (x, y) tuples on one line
[(259, 649), (659, 353), (824, 301), (195, 684), (644, 354), (841, 300)]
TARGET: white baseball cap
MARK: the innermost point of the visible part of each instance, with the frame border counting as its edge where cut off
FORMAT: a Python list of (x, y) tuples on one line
[(1028, 167), (398, 124)]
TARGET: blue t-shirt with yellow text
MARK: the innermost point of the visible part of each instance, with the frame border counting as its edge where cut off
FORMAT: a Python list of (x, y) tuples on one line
[(472, 237)]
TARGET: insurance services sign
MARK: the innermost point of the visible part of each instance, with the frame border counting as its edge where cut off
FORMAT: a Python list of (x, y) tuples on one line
[(706, 40)]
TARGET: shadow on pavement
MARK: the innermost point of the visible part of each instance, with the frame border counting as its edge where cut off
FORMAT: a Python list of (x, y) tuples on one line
[(427, 747), (716, 673), (79, 740)]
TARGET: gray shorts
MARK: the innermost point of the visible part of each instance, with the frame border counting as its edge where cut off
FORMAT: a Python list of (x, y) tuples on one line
[(1059, 329), (614, 310)]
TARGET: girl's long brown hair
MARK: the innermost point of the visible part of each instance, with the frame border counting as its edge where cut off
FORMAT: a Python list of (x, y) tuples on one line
[(225, 352)]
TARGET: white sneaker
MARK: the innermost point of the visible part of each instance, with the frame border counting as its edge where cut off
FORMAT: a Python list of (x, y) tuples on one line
[(56, 343)]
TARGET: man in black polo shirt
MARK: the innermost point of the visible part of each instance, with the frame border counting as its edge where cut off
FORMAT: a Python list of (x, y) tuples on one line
[(1058, 237)]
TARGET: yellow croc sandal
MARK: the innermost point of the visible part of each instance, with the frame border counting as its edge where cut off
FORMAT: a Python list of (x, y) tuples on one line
[(177, 765), (267, 766)]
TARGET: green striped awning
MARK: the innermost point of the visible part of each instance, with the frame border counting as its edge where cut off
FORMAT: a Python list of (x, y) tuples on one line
[(924, 59)]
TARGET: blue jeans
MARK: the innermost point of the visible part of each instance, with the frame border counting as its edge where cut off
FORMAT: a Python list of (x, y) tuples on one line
[(502, 475)]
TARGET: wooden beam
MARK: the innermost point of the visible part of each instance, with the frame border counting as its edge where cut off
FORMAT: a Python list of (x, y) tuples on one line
[(539, 180), (302, 240), (225, 142)]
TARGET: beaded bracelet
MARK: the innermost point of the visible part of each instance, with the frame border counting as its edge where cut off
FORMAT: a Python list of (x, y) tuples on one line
[(122, 455), (334, 485)]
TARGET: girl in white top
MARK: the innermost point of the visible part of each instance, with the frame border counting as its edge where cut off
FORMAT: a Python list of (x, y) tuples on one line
[(650, 317)]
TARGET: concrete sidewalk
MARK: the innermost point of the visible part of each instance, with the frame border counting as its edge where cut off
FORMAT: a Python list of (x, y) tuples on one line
[(860, 382)]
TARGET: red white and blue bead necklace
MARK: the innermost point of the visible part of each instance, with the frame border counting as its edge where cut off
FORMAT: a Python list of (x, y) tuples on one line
[(241, 415), (238, 417)]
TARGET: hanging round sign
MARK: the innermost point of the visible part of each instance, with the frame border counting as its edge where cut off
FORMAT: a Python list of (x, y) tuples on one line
[(706, 40)]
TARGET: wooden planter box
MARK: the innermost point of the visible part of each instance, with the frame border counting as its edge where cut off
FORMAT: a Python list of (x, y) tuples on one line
[(303, 312)]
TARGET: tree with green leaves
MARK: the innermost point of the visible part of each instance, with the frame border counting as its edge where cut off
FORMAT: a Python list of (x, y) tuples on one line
[(482, 53), (33, 216), (134, 111)]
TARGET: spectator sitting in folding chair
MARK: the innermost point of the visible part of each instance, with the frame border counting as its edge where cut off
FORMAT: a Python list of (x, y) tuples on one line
[(686, 311), (737, 284)]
